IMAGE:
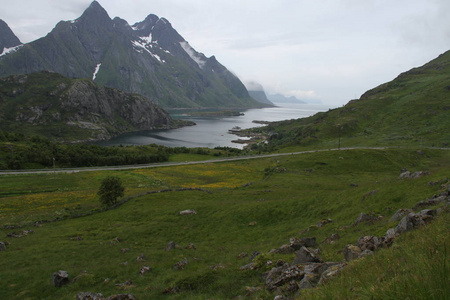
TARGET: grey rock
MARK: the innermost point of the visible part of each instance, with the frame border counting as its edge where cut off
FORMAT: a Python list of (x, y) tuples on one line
[(332, 271), (187, 212), (399, 214), (181, 264), (304, 255), (170, 246), (122, 297), (352, 252), (89, 296), (2, 246), (363, 218), (369, 243), (60, 278), (279, 276)]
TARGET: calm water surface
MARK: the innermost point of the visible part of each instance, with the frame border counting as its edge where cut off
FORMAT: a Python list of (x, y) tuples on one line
[(213, 131)]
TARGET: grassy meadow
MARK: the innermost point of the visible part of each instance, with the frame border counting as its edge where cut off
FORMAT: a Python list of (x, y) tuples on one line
[(242, 206)]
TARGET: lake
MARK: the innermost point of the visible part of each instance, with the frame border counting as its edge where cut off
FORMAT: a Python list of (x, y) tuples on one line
[(212, 132)]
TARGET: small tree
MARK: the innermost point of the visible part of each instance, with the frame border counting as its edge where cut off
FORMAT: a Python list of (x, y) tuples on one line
[(111, 188)]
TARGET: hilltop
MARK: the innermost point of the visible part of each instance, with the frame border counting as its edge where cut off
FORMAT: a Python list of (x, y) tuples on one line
[(412, 109)]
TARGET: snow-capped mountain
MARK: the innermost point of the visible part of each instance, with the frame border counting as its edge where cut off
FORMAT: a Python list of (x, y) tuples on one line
[(149, 58)]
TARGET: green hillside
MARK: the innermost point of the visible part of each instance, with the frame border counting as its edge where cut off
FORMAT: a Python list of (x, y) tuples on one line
[(413, 109), (246, 206)]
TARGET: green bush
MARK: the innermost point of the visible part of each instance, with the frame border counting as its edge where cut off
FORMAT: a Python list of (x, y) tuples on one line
[(110, 190)]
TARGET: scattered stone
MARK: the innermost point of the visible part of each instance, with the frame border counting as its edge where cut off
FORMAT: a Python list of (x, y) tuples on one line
[(37, 224), (144, 270), (187, 212), (304, 255), (88, 296), (217, 267), (332, 271), (141, 257), (364, 218), (181, 264), (437, 199), (399, 214), (369, 243), (191, 246), (124, 263), (332, 239), (249, 290), (20, 234), (369, 194), (324, 222), (253, 223), (76, 238), (2, 246), (170, 246), (124, 250), (254, 254), (122, 297), (409, 175), (126, 284), (352, 252), (60, 278), (242, 255), (353, 185), (250, 266), (279, 276)]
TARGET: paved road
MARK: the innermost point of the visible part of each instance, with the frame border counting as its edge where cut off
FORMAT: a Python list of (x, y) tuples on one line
[(169, 164)]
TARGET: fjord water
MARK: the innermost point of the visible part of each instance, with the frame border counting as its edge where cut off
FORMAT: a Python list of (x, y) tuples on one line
[(211, 131)]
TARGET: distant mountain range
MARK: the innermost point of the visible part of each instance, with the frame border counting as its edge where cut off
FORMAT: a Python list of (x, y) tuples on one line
[(149, 58), (278, 98)]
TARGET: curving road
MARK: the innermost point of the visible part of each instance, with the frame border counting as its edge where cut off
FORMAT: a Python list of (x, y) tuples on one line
[(169, 164)]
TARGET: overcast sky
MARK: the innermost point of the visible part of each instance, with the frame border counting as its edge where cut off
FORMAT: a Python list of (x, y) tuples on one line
[(332, 50)]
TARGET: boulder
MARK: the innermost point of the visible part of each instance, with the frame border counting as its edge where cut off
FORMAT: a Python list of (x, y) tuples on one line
[(279, 276), (144, 269), (181, 264), (352, 252), (60, 278), (364, 218), (331, 271), (405, 175), (170, 246), (88, 296), (369, 243), (122, 297), (187, 212), (399, 214), (2, 246), (304, 255)]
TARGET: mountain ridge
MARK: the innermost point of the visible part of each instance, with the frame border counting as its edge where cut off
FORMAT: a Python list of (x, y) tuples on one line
[(150, 58)]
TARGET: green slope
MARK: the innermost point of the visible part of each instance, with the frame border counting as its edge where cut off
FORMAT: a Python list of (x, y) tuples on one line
[(281, 197), (413, 109)]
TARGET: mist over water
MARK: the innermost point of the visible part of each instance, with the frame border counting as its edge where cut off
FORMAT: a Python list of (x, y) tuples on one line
[(212, 132)]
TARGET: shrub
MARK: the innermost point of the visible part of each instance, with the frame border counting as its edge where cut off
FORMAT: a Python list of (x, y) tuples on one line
[(110, 190)]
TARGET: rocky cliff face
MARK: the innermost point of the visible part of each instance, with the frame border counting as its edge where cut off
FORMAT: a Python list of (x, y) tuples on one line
[(69, 109), (8, 40), (149, 58)]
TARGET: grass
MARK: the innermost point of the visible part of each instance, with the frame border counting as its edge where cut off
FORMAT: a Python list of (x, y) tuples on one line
[(280, 196)]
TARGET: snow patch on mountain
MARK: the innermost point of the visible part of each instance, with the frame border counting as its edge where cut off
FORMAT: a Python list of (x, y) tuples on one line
[(10, 50), (140, 47), (97, 68), (193, 54)]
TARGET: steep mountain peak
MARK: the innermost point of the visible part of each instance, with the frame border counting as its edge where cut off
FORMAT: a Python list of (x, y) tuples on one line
[(147, 25), (8, 39), (95, 12)]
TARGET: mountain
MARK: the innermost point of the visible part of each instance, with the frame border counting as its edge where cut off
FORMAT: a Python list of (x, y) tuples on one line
[(149, 58), (65, 109), (8, 40), (278, 98), (412, 109), (256, 91)]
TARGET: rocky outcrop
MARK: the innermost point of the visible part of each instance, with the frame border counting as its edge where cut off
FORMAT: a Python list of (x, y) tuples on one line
[(49, 100), (8, 39), (60, 278)]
